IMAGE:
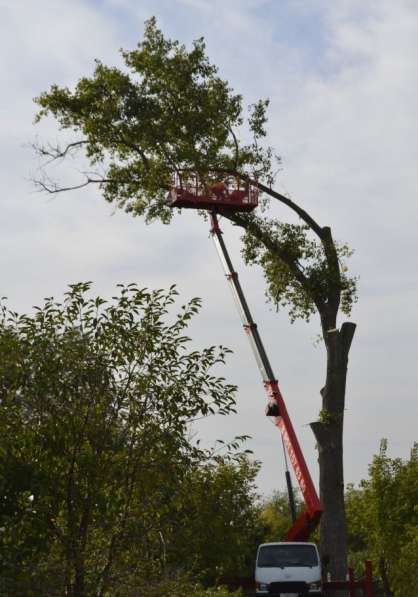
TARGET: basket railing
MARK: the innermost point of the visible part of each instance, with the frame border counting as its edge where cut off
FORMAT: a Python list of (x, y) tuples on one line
[(190, 183)]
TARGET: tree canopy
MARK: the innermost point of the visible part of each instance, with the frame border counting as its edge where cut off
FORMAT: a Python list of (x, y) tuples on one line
[(103, 489), (170, 112)]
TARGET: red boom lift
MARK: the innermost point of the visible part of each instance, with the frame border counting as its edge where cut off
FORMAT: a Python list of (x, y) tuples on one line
[(225, 197)]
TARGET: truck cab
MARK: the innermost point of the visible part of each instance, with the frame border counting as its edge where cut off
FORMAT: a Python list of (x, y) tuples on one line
[(288, 569)]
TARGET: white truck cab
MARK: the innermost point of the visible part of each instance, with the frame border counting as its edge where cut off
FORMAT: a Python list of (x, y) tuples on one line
[(288, 570)]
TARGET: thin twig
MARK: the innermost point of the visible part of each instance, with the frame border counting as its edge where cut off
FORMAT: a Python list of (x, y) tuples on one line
[(55, 153)]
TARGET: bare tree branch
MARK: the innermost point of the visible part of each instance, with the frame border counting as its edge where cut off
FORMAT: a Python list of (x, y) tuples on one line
[(53, 188), (56, 153), (234, 137)]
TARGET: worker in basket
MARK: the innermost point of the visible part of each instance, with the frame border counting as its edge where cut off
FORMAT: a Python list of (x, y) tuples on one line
[(219, 189), (223, 190)]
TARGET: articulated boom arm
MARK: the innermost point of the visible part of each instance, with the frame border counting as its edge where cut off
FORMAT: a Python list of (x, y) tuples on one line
[(309, 519)]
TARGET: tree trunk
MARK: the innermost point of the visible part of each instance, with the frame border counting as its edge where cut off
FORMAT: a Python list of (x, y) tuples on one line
[(384, 575), (328, 432), (78, 587)]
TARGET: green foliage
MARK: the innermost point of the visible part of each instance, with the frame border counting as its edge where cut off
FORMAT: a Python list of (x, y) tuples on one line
[(275, 516), (297, 249), (101, 487), (383, 519), (168, 112), (214, 546), (328, 418)]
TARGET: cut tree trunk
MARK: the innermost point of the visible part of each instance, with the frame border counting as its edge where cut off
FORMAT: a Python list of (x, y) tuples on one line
[(328, 432), (333, 532)]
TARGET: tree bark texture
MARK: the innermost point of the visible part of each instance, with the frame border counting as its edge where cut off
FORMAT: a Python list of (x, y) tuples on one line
[(328, 431)]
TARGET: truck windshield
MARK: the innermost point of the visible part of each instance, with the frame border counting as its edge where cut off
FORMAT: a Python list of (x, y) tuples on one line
[(280, 556)]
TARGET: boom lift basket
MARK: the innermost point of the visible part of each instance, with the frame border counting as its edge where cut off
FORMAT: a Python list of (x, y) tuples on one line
[(229, 194)]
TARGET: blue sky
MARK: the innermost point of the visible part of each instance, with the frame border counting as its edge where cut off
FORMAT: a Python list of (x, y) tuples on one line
[(343, 82)]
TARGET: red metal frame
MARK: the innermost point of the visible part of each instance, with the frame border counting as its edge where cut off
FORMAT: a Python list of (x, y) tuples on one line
[(227, 195), (366, 584), (309, 518)]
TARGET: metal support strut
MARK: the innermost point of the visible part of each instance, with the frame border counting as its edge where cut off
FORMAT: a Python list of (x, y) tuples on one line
[(308, 520)]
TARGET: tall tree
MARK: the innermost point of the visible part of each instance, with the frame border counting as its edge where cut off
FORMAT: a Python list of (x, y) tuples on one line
[(96, 459), (170, 112)]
